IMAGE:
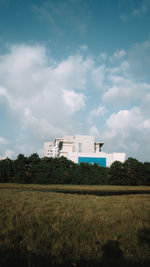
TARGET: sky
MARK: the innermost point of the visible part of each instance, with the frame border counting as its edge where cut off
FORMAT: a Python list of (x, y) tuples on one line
[(72, 67)]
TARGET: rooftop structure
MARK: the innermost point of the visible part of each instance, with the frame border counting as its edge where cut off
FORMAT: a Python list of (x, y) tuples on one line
[(81, 148)]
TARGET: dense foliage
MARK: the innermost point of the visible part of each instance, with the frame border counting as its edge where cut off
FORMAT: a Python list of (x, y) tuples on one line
[(37, 170)]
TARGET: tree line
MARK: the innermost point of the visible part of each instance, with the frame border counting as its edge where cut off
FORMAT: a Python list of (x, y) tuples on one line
[(36, 170)]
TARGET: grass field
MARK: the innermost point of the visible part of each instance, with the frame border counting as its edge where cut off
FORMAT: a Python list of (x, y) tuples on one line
[(46, 228), (76, 187)]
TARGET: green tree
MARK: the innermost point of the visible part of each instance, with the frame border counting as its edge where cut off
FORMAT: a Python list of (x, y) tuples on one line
[(117, 176), (32, 165), (133, 170), (146, 173), (6, 170), (21, 169)]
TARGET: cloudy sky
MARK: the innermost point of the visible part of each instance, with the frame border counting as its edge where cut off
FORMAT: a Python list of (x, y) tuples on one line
[(75, 67)]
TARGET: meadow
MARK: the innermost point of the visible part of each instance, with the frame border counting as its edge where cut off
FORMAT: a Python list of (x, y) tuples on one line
[(54, 229), (82, 188)]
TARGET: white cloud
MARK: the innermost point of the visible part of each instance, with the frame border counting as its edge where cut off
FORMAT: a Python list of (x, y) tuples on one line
[(46, 98), (98, 77), (124, 90), (119, 54), (67, 12), (146, 124), (103, 56), (94, 131), (100, 111), (8, 154), (3, 91), (4, 153), (96, 113), (125, 119), (142, 8), (3, 141), (83, 47), (128, 131), (118, 95), (41, 94), (73, 100), (139, 59), (74, 72)]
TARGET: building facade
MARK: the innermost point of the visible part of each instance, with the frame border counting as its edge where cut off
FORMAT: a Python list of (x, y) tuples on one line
[(81, 148)]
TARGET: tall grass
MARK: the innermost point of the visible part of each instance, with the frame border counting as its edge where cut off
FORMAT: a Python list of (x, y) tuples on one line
[(76, 187), (43, 229)]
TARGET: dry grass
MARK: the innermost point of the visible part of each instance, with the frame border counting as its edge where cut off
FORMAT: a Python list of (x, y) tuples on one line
[(60, 228), (76, 187)]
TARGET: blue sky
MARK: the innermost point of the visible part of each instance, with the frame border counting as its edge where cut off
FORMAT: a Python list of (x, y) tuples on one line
[(75, 67)]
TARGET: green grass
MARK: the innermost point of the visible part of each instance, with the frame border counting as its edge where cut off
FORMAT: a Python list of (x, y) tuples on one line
[(43, 228)]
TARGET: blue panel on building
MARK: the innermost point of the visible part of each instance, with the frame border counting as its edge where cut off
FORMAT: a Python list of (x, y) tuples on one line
[(92, 160)]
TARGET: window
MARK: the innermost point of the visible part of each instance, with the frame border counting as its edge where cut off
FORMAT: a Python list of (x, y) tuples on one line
[(80, 147)]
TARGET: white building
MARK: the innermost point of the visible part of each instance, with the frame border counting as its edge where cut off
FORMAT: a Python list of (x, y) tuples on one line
[(81, 148)]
